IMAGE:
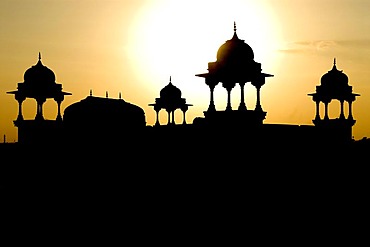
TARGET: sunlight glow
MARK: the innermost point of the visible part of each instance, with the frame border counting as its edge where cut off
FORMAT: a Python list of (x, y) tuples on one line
[(178, 39)]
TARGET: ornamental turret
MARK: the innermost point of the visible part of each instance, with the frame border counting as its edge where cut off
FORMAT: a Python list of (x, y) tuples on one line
[(334, 86), (170, 100), (40, 84), (235, 65)]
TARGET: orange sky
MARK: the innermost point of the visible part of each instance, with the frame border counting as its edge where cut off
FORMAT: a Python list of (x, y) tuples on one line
[(132, 47)]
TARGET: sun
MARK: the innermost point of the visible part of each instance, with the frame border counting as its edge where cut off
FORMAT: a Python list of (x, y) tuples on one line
[(179, 38)]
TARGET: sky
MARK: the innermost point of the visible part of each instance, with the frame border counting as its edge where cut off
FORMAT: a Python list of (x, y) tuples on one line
[(134, 47)]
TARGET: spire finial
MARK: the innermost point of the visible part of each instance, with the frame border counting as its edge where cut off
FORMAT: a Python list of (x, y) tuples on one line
[(235, 36), (170, 79), (90, 92), (106, 94), (335, 64), (39, 56), (119, 95)]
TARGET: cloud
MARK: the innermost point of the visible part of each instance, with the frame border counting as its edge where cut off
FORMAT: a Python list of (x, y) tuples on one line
[(325, 45), (360, 43), (309, 46)]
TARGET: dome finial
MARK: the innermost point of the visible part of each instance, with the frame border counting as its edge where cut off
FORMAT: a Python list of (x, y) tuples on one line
[(235, 36), (39, 56), (334, 64), (170, 80)]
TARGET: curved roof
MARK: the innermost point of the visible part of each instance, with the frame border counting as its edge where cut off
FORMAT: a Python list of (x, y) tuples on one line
[(334, 78), (39, 74), (234, 50), (334, 85), (93, 111), (170, 92), (39, 83)]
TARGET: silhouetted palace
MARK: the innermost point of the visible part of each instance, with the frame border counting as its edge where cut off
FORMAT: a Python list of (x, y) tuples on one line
[(101, 161), (104, 120)]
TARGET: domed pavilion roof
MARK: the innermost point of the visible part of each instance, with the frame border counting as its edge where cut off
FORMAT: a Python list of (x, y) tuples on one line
[(170, 99), (39, 83), (170, 92), (234, 50), (334, 78), (334, 85), (39, 74)]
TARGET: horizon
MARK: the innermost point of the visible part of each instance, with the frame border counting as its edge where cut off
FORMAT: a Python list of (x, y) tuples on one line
[(131, 49)]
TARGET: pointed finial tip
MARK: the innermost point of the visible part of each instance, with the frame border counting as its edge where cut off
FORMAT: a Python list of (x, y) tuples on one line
[(39, 55), (234, 26)]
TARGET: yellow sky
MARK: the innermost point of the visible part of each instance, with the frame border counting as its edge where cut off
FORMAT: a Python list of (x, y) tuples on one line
[(132, 47)]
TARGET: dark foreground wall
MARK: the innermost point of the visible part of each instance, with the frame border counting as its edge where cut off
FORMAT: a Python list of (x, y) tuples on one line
[(170, 191)]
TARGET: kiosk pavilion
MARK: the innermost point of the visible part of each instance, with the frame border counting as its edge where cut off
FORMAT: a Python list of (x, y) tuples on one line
[(334, 86), (39, 84), (235, 65)]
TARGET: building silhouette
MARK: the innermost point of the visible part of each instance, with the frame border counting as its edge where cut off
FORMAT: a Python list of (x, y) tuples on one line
[(170, 100), (334, 86), (100, 160), (99, 121), (39, 84), (235, 65)]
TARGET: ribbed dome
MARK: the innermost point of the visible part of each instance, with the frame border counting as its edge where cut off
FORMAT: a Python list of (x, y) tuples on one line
[(234, 51), (95, 111), (39, 74), (334, 78), (170, 91)]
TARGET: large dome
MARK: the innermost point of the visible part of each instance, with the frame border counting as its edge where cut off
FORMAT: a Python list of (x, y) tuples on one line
[(39, 74), (95, 111), (234, 51)]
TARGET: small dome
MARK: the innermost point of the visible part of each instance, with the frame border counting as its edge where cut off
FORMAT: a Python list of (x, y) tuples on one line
[(170, 91), (334, 78), (39, 74), (234, 51)]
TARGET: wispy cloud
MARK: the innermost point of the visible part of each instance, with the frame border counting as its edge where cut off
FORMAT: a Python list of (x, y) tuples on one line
[(360, 43), (309, 46), (324, 45)]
